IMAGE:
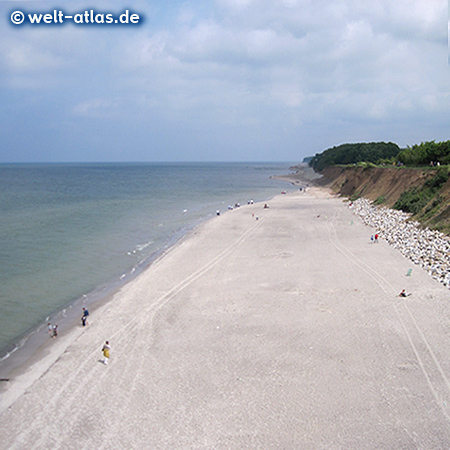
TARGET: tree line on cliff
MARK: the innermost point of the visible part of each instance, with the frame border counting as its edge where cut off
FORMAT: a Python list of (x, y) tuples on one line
[(354, 153), (422, 154), (425, 153)]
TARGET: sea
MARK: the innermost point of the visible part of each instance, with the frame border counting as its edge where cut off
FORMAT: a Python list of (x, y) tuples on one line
[(71, 234)]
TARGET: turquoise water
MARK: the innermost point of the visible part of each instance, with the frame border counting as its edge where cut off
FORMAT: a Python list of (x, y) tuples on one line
[(68, 232)]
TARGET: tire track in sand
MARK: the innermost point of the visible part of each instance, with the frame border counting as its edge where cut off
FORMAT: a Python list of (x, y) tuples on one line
[(76, 392), (113, 430), (382, 282)]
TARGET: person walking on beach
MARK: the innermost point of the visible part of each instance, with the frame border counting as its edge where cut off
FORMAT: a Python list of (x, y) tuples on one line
[(50, 329), (106, 351), (55, 331), (84, 317)]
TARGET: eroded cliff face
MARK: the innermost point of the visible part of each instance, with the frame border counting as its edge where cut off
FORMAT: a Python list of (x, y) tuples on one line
[(384, 185), (374, 182)]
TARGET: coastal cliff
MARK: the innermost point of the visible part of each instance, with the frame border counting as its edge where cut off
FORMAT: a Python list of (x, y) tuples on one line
[(423, 192)]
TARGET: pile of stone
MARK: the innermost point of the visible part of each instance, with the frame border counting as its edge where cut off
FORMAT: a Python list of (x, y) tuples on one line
[(427, 248)]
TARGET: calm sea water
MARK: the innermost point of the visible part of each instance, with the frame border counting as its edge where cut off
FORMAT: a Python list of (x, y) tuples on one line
[(68, 232)]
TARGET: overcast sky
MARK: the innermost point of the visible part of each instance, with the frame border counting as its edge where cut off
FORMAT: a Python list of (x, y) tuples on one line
[(222, 80)]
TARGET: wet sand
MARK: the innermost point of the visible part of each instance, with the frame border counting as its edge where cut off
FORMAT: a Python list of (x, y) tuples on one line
[(284, 332)]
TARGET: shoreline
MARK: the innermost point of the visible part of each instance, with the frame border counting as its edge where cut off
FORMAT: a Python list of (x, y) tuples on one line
[(68, 317), (18, 376), (22, 373), (52, 269), (40, 350), (302, 177)]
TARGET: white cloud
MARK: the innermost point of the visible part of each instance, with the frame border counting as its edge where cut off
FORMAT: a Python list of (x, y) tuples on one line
[(300, 63)]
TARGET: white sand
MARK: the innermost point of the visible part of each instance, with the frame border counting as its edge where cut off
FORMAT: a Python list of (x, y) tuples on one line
[(279, 333)]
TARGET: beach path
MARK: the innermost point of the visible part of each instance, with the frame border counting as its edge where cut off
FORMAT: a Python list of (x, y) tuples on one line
[(276, 328)]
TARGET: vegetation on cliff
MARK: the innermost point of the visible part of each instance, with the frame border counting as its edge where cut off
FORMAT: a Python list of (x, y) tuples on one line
[(426, 153), (371, 152), (418, 155), (422, 199)]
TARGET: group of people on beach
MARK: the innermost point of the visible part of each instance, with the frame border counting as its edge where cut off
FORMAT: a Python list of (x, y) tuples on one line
[(403, 293), (106, 347), (53, 329), (53, 332)]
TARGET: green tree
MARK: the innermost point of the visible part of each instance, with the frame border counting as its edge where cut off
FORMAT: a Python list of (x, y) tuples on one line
[(372, 152)]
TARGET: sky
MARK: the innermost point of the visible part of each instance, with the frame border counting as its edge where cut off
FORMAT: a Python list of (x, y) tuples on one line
[(222, 80)]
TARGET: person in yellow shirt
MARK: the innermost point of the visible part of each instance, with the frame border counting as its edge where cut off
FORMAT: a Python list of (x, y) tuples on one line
[(106, 352)]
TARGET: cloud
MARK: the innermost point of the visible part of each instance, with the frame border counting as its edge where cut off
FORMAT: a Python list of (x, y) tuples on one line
[(243, 67)]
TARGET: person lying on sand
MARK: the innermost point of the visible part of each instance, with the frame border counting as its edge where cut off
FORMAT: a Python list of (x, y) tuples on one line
[(404, 294)]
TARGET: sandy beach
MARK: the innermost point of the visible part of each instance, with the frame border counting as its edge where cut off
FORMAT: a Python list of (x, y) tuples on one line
[(276, 328)]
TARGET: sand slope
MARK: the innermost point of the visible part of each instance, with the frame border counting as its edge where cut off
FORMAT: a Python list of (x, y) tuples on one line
[(279, 333)]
